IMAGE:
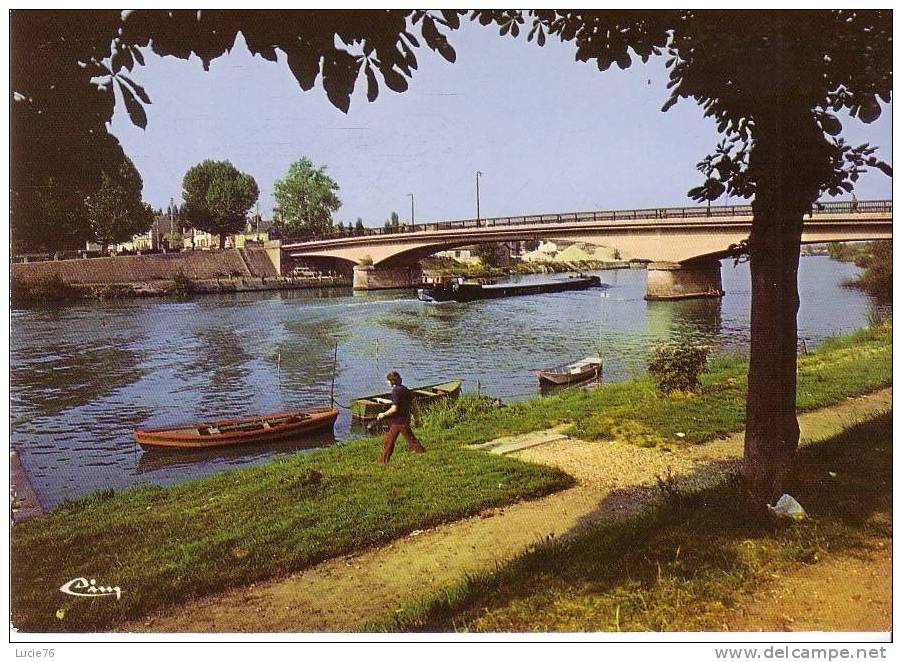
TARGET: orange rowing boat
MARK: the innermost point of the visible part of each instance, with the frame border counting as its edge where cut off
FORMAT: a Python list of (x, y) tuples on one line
[(268, 427)]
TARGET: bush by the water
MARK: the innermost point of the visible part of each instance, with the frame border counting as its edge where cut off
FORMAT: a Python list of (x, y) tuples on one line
[(52, 288), (676, 367), (182, 284), (446, 413)]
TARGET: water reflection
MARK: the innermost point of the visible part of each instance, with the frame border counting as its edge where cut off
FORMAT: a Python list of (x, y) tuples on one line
[(160, 459), (698, 320)]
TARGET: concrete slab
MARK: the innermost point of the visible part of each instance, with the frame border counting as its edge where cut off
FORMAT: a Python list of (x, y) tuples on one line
[(23, 502), (505, 445)]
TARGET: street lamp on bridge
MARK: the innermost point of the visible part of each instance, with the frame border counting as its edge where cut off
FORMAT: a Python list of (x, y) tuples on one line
[(410, 195), (478, 174)]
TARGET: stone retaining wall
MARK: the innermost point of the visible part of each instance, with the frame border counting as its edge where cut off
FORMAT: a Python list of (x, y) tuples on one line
[(197, 265)]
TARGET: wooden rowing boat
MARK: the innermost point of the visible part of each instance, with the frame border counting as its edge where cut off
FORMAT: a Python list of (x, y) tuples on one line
[(367, 408), (253, 429), (571, 373)]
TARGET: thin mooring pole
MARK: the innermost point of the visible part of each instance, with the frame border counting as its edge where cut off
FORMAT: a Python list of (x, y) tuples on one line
[(334, 366)]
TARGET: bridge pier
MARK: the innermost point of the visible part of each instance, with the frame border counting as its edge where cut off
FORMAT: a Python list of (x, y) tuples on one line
[(672, 280), (368, 277)]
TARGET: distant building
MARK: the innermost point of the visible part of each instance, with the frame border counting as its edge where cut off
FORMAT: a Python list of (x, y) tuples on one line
[(465, 254), (171, 232)]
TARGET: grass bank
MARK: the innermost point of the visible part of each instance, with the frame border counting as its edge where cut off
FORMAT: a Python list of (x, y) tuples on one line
[(163, 546), (635, 412), (682, 565), (167, 545)]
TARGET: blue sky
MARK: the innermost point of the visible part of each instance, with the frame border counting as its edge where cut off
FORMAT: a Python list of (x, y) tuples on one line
[(550, 134)]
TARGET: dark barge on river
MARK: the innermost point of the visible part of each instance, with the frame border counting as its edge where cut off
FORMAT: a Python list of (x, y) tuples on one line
[(453, 288)]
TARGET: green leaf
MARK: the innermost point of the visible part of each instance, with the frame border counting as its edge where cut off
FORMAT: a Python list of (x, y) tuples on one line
[(339, 77), (305, 67), (830, 124), (122, 58), (135, 110), (372, 86), (869, 110), (394, 80), (137, 88)]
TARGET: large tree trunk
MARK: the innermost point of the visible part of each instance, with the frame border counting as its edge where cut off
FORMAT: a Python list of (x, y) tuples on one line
[(222, 238), (771, 428), (789, 162)]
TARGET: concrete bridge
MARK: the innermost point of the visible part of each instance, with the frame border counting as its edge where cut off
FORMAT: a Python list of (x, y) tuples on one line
[(684, 244)]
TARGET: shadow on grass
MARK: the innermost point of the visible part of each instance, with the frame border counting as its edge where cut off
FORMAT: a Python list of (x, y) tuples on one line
[(670, 566)]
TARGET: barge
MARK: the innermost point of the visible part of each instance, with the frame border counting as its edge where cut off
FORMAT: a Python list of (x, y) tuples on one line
[(458, 289)]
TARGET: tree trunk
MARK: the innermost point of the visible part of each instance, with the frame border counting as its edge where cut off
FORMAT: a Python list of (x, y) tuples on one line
[(771, 428), (222, 238), (103, 247), (790, 159)]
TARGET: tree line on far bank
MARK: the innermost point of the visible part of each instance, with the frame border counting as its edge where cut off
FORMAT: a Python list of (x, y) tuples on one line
[(876, 260), (217, 199)]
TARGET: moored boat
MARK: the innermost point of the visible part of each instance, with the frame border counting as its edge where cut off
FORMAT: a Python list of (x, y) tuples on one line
[(231, 432), (367, 408), (458, 289), (571, 373)]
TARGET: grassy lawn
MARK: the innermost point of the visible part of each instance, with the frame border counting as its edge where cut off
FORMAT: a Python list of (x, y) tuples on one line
[(680, 566), (167, 545)]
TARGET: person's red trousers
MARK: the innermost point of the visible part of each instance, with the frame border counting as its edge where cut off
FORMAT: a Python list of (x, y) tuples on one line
[(393, 431)]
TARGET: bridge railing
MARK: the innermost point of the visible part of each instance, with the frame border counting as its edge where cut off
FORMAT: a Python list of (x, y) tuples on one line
[(660, 213)]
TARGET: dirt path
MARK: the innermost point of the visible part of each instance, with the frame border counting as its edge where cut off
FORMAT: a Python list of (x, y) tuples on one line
[(343, 593), (839, 594)]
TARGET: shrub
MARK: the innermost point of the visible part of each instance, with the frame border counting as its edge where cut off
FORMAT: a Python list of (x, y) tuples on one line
[(445, 413), (113, 291), (366, 261), (182, 283), (676, 367), (51, 288)]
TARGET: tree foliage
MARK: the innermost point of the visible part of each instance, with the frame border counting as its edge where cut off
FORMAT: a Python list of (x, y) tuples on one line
[(306, 198), (115, 212), (217, 198), (487, 254), (55, 219), (877, 262)]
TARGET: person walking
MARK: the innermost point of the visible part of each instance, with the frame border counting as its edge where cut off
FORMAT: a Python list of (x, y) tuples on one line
[(398, 416)]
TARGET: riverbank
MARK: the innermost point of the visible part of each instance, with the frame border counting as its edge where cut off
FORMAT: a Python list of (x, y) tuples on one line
[(170, 274), (237, 528), (59, 290)]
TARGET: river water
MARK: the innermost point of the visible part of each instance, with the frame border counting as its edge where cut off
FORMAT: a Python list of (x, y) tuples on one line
[(83, 376)]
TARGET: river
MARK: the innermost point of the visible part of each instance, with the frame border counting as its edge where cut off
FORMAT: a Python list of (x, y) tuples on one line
[(84, 375)]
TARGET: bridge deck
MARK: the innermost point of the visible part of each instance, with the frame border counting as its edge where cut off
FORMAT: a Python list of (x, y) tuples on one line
[(721, 215)]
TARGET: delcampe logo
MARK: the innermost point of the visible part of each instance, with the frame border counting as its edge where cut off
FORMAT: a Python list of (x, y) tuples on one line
[(84, 588)]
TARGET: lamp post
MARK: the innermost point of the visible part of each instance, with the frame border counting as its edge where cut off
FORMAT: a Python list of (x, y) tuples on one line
[(410, 195), (478, 173)]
